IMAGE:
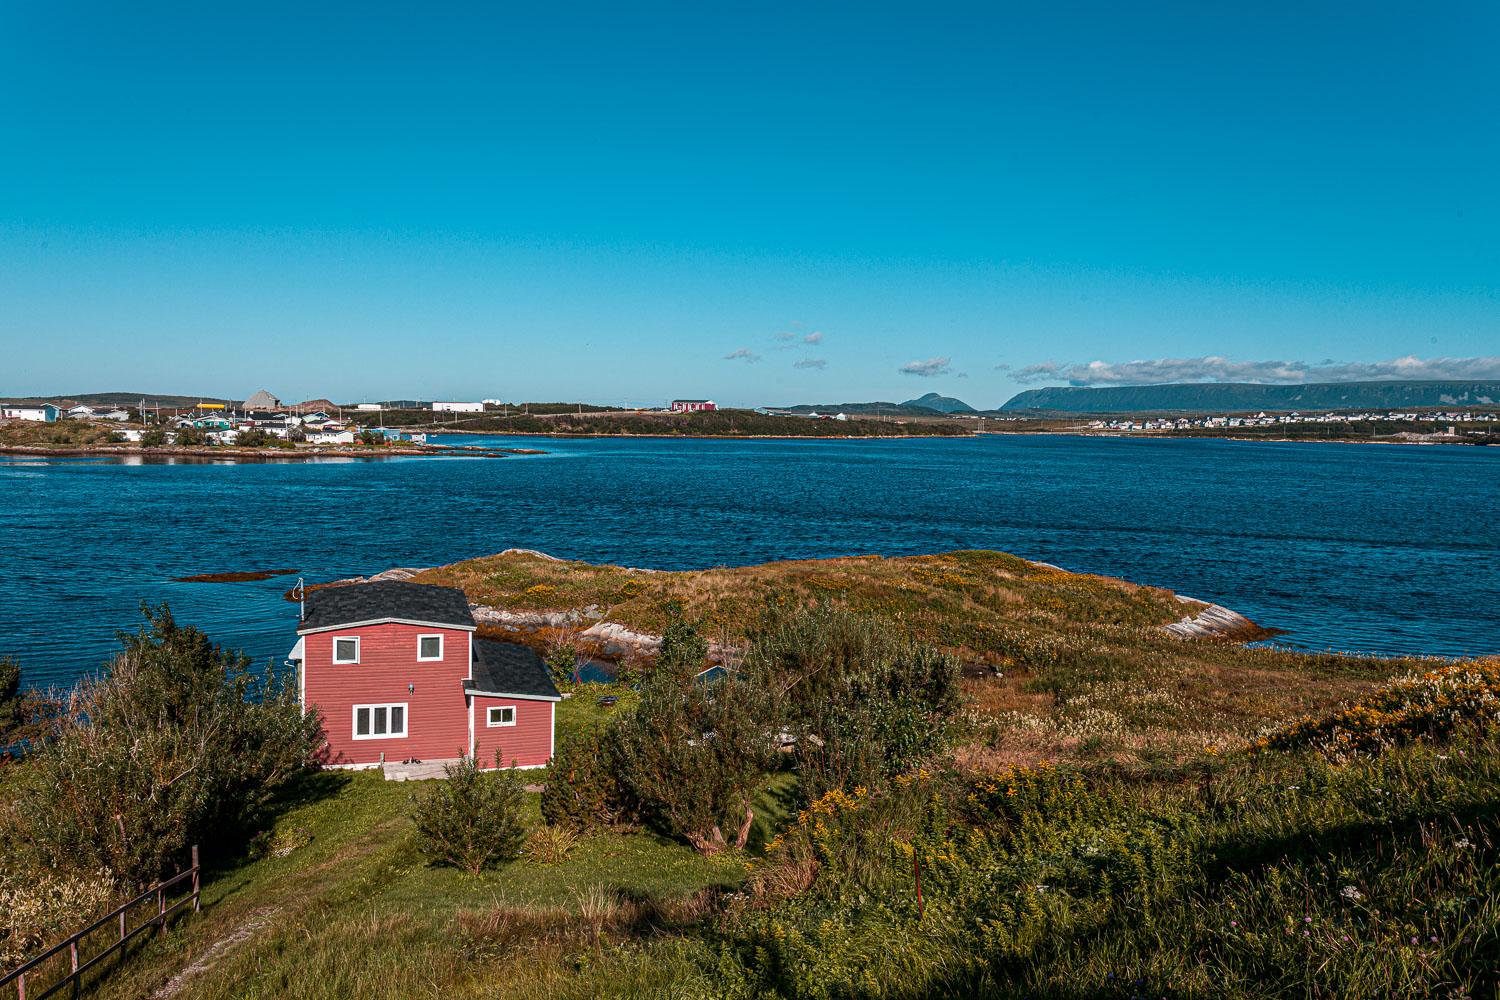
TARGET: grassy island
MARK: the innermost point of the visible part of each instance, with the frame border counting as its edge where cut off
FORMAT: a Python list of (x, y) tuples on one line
[(1022, 786)]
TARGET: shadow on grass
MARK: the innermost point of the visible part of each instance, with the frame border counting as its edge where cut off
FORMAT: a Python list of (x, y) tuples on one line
[(230, 852), (1368, 840)]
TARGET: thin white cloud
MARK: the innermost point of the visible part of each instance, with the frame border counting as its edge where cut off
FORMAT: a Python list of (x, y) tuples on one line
[(1221, 369), (796, 324), (928, 368), (744, 353), (963, 375), (813, 338), (811, 363), (786, 335)]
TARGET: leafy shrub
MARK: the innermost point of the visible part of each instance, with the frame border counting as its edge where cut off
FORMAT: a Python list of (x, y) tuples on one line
[(154, 437), (36, 718), (683, 651), (693, 755), (583, 787), (1432, 705), (10, 693), (472, 819), (562, 659), (865, 741), (864, 703), (40, 907), (256, 437), (178, 743)]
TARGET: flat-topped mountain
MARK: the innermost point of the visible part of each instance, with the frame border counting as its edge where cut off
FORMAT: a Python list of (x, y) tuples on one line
[(1228, 397)]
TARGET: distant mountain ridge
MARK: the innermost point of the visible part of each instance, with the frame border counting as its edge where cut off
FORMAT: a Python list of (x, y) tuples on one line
[(125, 399), (1228, 397), (943, 404)]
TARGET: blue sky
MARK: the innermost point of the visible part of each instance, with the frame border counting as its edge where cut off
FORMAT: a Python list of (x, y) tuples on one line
[(760, 203)]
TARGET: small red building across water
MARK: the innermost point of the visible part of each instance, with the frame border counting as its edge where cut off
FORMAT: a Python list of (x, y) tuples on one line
[(399, 676)]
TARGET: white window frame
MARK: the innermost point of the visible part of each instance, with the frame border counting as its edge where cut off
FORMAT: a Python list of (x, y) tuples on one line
[(489, 719), (405, 721), (345, 638), (429, 635)]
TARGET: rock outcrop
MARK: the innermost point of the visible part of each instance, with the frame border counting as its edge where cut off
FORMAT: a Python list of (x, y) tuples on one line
[(604, 639), (1219, 623)]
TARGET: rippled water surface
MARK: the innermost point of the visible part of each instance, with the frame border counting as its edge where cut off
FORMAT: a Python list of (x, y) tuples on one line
[(1383, 548)]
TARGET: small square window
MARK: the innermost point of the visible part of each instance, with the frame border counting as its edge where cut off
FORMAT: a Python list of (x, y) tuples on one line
[(503, 716), (429, 647), (346, 650), (361, 722)]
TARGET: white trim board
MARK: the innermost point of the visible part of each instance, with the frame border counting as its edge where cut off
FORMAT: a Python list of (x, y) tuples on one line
[(511, 694)]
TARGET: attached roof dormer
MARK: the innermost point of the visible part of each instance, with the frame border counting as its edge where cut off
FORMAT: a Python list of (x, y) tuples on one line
[(398, 601)]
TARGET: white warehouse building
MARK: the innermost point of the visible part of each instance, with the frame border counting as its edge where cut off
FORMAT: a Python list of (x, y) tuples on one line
[(458, 407)]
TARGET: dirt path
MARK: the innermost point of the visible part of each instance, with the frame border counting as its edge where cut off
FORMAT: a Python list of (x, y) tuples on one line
[(227, 943)]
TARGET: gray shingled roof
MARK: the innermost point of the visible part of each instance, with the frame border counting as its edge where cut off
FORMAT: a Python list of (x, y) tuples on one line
[(506, 668), (383, 600), (262, 400)]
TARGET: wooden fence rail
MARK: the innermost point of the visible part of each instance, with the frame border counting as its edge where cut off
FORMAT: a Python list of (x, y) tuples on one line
[(70, 944)]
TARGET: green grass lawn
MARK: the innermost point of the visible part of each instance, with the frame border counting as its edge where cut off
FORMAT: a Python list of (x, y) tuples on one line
[(580, 707), (359, 912)]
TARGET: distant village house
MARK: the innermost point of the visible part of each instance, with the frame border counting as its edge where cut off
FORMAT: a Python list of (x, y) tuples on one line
[(44, 412), (693, 405)]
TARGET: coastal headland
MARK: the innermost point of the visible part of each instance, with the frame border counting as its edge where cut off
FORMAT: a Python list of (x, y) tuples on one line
[(1071, 662)]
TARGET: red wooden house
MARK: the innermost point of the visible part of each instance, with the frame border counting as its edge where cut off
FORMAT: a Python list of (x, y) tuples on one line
[(398, 675)]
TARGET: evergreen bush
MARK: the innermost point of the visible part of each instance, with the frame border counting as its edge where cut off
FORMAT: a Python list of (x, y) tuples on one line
[(583, 788), (472, 819)]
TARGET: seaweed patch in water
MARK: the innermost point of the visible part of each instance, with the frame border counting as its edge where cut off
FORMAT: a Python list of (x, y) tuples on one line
[(251, 577)]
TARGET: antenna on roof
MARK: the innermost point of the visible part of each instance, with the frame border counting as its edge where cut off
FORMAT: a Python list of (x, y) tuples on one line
[(301, 593)]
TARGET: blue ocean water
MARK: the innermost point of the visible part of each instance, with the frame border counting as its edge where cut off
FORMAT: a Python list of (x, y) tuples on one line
[(1381, 548)]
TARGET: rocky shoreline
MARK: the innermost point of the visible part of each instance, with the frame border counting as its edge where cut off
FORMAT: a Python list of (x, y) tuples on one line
[(258, 454), (1217, 623)]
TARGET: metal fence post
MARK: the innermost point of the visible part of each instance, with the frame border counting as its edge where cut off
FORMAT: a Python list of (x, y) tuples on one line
[(161, 909), (73, 950), (195, 878)]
